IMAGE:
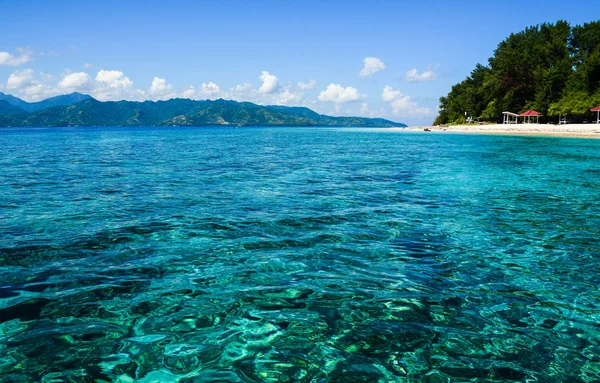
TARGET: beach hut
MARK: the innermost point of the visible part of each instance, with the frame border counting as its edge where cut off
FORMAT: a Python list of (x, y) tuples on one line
[(597, 110), (531, 113), (510, 118)]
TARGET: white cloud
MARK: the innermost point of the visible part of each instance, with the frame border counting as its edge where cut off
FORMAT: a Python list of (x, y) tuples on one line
[(46, 77), (286, 97), (115, 85), (37, 92), (210, 90), (75, 81), (339, 94), (310, 84), (159, 85), (243, 92), (87, 65), (413, 75), (389, 94), (364, 109), (20, 79), (189, 92), (403, 105), (23, 56), (108, 85), (372, 66), (114, 79), (27, 85), (270, 83), (241, 88), (377, 113), (160, 90)]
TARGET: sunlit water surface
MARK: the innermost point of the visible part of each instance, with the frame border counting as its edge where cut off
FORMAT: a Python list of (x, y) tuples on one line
[(297, 255)]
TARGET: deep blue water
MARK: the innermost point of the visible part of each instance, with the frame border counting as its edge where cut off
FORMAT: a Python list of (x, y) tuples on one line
[(297, 255)]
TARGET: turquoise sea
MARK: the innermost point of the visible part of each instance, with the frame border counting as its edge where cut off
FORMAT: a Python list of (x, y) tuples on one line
[(297, 255)]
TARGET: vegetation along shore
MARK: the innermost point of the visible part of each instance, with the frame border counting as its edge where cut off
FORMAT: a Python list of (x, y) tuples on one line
[(553, 69)]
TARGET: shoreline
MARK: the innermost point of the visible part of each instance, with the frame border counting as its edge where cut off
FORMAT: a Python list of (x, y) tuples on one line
[(567, 130)]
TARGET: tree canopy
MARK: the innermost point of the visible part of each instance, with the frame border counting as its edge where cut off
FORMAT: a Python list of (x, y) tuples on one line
[(552, 68)]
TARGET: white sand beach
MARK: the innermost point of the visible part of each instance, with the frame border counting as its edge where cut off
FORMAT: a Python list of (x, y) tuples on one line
[(568, 130)]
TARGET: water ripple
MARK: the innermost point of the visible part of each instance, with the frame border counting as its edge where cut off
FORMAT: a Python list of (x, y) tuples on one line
[(297, 255)]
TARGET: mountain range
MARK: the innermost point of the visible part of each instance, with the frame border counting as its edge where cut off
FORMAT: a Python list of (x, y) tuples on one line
[(78, 109), (28, 107)]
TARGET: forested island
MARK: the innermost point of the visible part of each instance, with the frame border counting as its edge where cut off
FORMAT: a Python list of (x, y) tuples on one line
[(82, 110), (552, 68)]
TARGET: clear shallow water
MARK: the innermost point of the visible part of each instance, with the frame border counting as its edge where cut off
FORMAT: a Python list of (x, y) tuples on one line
[(305, 255)]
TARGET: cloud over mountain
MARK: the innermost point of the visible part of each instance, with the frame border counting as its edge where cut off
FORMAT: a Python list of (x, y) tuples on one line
[(270, 83), (75, 81), (338, 94)]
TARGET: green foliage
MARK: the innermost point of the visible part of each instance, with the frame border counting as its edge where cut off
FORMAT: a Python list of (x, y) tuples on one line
[(182, 112), (467, 96), (585, 48), (577, 102), (552, 68)]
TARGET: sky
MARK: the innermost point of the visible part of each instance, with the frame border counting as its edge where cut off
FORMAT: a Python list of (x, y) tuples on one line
[(389, 59)]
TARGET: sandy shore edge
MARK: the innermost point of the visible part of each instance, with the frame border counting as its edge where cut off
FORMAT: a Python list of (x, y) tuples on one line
[(568, 130)]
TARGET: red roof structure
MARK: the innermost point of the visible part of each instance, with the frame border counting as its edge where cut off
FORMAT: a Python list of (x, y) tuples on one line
[(597, 109), (532, 113)]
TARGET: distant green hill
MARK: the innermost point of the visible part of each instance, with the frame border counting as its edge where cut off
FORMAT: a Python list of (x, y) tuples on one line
[(7, 109), (182, 112), (65, 99), (14, 101)]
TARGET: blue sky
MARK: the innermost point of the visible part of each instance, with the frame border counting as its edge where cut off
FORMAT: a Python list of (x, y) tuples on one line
[(261, 51)]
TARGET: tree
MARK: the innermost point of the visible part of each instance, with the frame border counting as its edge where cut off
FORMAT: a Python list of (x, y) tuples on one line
[(585, 47), (551, 68)]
